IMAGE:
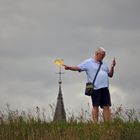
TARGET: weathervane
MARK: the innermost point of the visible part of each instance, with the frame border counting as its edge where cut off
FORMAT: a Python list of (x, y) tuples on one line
[(59, 63), (60, 114)]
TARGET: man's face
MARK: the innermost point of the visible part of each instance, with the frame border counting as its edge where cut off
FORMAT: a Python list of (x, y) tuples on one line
[(100, 55)]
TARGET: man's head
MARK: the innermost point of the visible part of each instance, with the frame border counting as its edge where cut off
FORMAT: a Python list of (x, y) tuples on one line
[(100, 54)]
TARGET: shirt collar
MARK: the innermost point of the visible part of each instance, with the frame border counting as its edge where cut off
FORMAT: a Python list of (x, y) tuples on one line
[(95, 60)]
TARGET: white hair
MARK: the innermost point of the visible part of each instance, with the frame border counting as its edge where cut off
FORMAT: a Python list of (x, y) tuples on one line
[(100, 49)]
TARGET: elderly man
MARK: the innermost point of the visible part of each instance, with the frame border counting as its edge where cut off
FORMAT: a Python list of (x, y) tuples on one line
[(101, 95)]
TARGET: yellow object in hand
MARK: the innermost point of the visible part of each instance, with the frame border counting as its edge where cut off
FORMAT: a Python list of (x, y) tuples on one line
[(59, 62)]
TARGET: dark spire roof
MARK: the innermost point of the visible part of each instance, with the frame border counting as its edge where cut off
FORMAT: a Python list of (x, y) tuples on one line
[(59, 114)]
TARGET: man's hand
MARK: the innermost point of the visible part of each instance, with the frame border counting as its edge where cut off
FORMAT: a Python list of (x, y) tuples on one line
[(66, 67), (113, 63), (111, 72)]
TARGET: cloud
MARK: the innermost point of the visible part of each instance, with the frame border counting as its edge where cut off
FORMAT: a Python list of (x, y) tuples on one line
[(35, 33)]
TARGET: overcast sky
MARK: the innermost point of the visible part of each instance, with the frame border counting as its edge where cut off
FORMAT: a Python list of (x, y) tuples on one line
[(33, 33)]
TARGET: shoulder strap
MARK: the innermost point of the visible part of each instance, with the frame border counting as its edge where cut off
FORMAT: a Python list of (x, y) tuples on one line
[(97, 72)]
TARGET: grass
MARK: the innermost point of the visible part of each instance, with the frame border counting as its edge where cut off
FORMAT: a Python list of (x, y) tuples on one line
[(15, 125)]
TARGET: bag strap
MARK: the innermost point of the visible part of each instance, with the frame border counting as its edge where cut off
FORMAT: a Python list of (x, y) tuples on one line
[(97, 72)]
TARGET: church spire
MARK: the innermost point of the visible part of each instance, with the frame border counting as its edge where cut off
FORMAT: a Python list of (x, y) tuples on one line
[(60, 114)]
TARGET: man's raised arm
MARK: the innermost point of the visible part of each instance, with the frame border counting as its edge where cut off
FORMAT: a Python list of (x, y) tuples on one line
[(73, 68)]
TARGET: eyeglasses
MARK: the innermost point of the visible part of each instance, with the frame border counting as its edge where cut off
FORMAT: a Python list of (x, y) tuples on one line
[(102, 53)]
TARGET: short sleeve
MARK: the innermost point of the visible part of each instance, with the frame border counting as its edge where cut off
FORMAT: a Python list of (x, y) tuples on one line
[(83, 66)]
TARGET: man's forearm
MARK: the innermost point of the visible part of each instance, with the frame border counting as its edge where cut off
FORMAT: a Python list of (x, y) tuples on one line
[(73, 68), (111, 72)]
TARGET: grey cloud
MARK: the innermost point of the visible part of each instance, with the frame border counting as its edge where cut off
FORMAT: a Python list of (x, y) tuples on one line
[(35, 33)]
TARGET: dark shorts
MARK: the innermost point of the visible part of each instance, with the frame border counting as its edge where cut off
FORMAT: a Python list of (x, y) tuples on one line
[(101, 97)]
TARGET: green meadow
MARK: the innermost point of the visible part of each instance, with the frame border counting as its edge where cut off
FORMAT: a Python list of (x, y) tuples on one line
[(21, 125)]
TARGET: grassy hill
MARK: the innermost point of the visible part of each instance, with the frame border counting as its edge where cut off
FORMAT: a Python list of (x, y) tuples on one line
[(16, 125)]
